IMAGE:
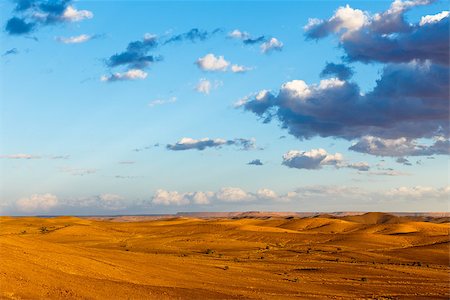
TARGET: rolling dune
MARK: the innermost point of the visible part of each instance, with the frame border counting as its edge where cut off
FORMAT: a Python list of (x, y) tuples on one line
[(375, 255)]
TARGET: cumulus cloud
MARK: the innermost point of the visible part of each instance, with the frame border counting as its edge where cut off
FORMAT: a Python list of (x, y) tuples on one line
[(272, 44), (313, 159), (37, 202), (317, 158), (202, 144), (304, 194), (386, 37), (133, 74), (410, 100), (345, 19), (32, 14), (233, 194), (255, 162), (400, 147), (266, 194), (82, 38), (163, 197), (212, 63)]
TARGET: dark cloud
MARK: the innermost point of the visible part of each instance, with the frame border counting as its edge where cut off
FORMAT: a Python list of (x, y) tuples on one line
[(409, 100), (427, 42), (31, 14), (136, 55), (386, 37), (340, 71), (202, 144), (255, 162), (12, 51), (403, 161), (18, 26), (400, 147), (193, 35), (252, 41)]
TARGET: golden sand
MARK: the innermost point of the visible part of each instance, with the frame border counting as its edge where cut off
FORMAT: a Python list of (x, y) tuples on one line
[(372, 256)]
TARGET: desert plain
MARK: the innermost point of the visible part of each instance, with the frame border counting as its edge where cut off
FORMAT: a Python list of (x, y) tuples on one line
[(369, 256)]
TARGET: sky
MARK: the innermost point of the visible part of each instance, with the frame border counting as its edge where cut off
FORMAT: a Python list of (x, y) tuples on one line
[(150, 107)]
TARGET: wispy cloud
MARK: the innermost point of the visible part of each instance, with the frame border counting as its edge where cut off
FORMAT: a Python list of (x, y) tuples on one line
[(82, 38), (134, 74), (202, 144), (157, 102)]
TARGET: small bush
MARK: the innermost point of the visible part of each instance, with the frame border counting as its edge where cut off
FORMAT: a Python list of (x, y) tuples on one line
[(226, 267), (209, 251), (43, 230)]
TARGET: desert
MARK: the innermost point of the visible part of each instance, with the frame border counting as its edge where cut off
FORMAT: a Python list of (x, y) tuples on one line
[(247, 256)]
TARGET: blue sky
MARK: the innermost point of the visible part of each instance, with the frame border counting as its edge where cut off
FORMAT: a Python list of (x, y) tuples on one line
[(174, 123)]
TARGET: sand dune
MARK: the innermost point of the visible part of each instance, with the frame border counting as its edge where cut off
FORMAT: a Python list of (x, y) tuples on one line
[(254, 256)]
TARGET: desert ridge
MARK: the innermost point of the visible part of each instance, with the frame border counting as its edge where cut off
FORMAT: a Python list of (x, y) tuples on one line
[(247, 256)]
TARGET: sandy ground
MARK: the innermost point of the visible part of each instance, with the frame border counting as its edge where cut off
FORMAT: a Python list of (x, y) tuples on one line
[(374, 256)]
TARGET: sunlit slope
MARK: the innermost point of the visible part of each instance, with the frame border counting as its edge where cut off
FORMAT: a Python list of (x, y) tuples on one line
[(373, 255)]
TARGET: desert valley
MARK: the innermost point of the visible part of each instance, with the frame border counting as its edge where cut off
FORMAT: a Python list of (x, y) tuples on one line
[(247, 256)]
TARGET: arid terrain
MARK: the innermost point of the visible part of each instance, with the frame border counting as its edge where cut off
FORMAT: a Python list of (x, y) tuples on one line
[(374, 255)]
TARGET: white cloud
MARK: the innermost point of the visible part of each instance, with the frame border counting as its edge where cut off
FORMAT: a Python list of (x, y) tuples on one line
[(239, 69), (162, 101), (317, 158), (430, 19), (233, 194), (271, 45), (37, 202), (266, 194), (20, 156), (419, 192), (163, 197), (73, 15), (313, 159), (304, 195), (77, 171), (204, 86), (201, 198), (111, 201), (75, 39), (237, 34), (212, 63), (133, 74), (201, 144)]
